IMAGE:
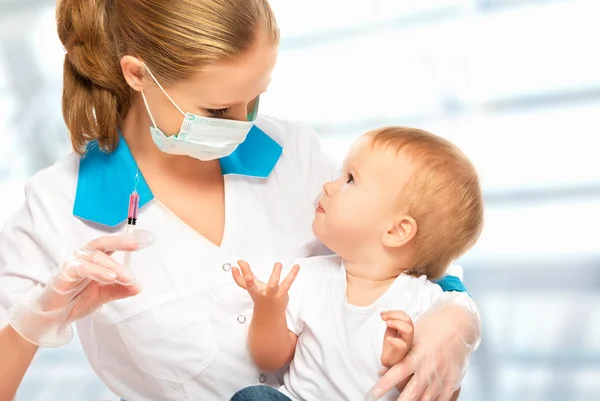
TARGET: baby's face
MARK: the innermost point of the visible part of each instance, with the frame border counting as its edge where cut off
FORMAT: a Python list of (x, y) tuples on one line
[(356, 210)]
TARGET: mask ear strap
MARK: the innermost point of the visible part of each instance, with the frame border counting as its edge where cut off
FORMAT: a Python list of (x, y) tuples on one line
[(162, 89), (148, 109)]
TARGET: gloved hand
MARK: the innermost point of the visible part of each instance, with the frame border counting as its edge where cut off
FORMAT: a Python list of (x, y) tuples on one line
[(88, 279), (445, 336)]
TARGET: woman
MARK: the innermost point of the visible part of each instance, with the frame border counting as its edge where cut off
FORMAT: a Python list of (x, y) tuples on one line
[(164, 99)]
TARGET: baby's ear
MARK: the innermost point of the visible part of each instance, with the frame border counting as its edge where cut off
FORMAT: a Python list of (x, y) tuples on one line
[(400, 232)]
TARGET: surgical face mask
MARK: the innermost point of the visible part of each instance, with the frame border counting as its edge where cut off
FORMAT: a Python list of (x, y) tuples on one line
[(201, 137)]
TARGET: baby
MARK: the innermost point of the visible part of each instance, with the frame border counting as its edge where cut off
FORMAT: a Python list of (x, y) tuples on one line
[(408, 203)]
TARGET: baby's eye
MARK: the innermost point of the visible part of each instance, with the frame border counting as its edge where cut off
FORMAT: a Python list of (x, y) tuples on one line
[(350, 178)]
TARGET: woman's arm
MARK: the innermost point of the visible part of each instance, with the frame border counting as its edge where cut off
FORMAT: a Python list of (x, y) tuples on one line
[(85, 281), (17, 354), (41, 294)]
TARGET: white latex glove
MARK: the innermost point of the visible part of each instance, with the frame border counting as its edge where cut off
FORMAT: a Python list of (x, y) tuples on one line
[(88, 279), (445, 337)]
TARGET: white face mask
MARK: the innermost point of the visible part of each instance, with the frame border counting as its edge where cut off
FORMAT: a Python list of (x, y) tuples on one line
[(201, 137)]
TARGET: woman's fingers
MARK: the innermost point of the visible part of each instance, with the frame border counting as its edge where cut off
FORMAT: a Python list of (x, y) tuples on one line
[(413, 390), (115, 292), (93, 262), (95, 272), (428, 396), (393, 376), (122, 242), (74, 272), (123, 275)]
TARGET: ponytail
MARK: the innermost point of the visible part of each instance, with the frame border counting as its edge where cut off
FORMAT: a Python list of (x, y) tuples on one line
[(95, 94)]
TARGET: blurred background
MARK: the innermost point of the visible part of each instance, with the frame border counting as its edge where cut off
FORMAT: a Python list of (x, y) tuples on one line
[(515, 83)]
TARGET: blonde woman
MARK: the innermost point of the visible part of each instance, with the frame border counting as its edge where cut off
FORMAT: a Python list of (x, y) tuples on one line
[(162, 97)]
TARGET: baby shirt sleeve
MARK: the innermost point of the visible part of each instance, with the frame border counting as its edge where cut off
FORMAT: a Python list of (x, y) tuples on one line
[(297, 297)]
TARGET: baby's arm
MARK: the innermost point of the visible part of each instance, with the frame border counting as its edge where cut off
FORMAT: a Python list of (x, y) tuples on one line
[(271, 344)]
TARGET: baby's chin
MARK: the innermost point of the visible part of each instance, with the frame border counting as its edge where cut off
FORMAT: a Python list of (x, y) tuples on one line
[(319, 230), (316, 228), (326, 237)]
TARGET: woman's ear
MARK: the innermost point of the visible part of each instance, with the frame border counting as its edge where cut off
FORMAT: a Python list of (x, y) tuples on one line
[(400, 233), (133, 71)]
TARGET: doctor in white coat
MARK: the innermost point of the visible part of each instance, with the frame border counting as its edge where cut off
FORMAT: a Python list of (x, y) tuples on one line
[(164, 99)]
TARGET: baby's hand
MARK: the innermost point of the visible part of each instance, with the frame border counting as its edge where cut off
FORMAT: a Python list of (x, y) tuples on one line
[(398, 337), (273, 295)]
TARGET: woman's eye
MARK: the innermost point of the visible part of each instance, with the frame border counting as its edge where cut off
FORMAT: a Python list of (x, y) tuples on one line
[(217, 112), (350, 179)]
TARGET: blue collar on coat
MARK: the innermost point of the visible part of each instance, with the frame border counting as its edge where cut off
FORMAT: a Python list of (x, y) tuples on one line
[(106, 180)]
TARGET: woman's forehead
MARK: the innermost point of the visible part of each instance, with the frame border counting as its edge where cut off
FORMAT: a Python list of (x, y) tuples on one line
[(233, 82)]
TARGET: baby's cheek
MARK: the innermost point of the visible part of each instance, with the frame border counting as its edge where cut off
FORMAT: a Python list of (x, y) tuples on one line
[(338, 219)]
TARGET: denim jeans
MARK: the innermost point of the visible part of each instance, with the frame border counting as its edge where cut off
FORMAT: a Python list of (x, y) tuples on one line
[(259, 393)]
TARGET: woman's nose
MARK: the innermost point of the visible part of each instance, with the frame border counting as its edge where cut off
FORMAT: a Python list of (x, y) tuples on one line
[(238, 113)]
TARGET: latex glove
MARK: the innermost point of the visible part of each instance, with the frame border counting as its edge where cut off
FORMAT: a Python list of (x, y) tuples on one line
[(88, 279), (445, 336)]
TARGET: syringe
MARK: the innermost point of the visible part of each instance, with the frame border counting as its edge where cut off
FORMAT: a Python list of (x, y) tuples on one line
[(134, 203)]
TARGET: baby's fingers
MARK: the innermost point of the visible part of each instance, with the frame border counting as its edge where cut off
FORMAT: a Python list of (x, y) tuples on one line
[(394, 349), (248, 276), (274, 279), (237, 277), (396, 315), (289, 279), (404, 329), (397, 343)]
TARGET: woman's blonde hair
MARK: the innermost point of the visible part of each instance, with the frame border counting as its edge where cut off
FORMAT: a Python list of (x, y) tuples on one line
[(175, 38)]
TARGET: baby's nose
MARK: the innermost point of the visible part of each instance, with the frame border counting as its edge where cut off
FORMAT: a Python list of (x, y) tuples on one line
[(328, 188)]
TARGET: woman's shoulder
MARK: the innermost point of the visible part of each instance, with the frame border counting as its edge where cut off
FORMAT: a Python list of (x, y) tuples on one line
[(287, 132), (49, 196), (302, 147), (56, 182), (295, 137), (33, 241)]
